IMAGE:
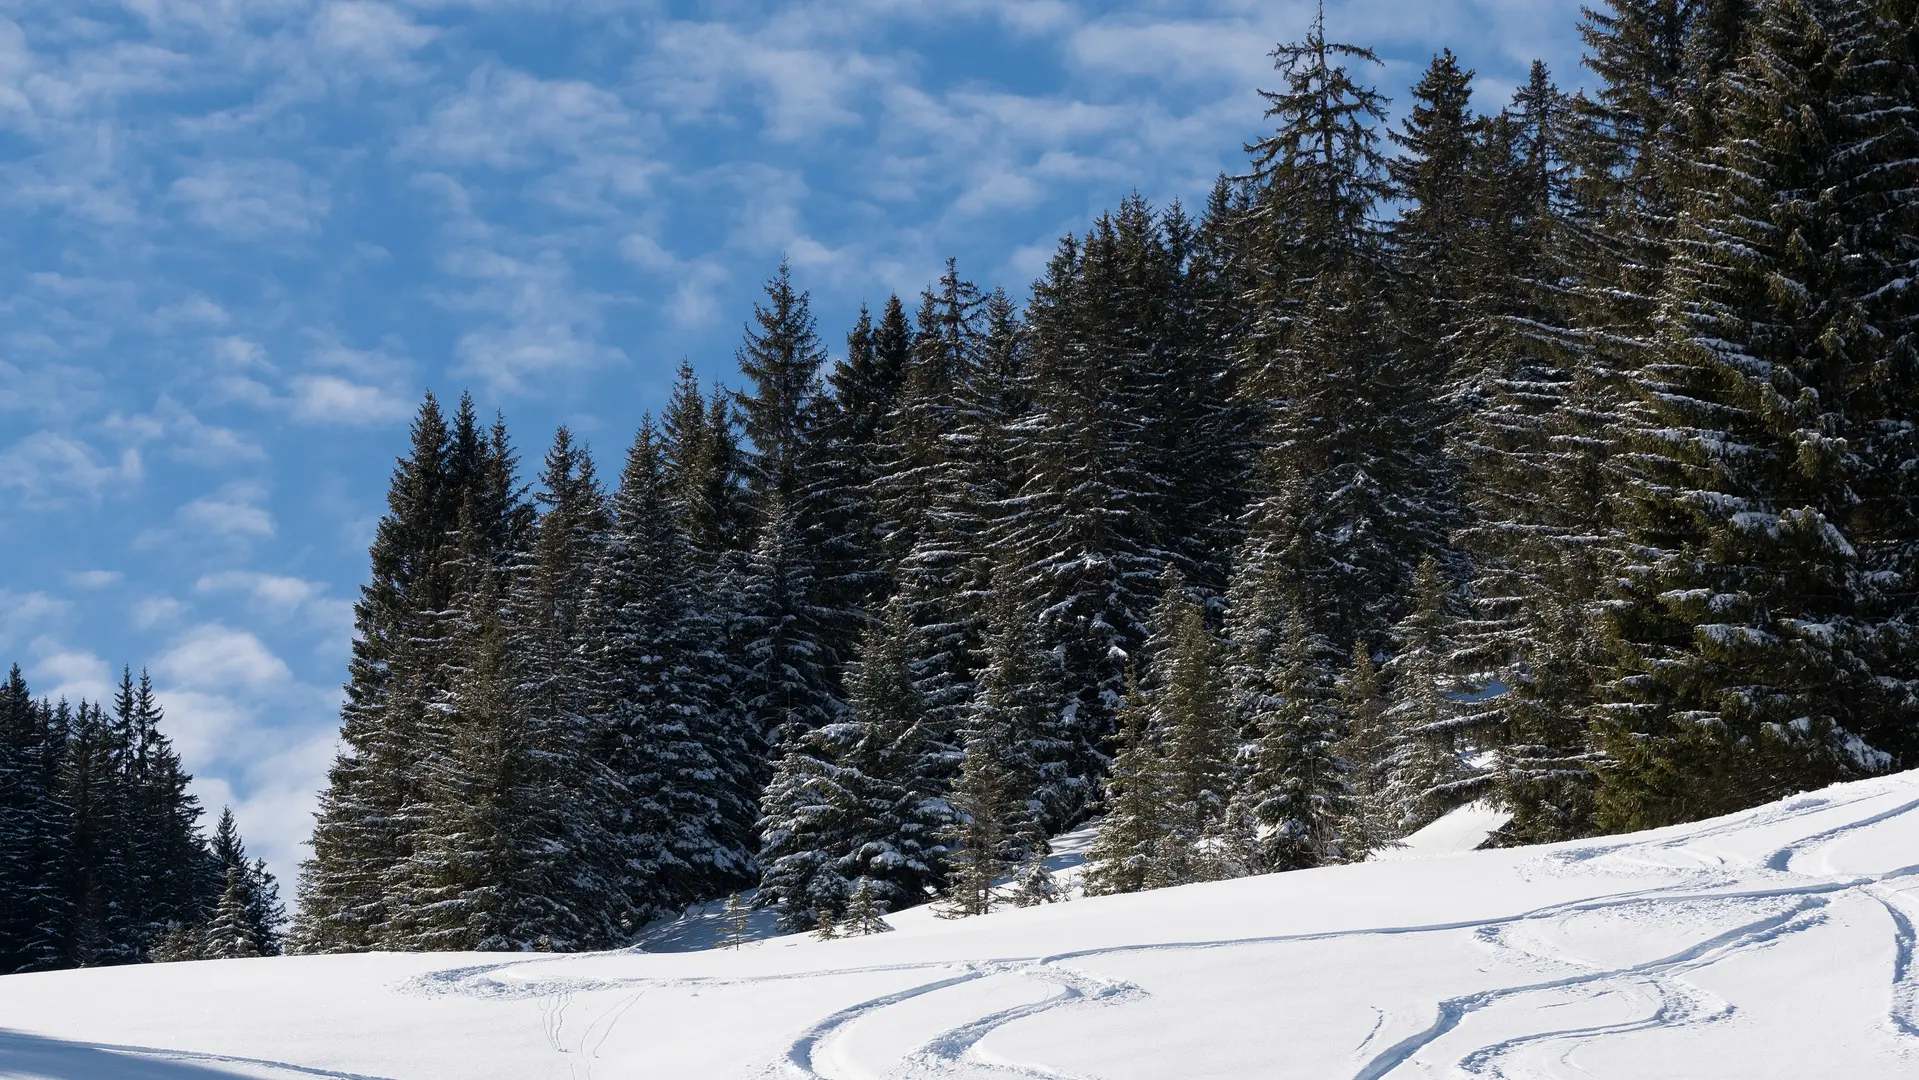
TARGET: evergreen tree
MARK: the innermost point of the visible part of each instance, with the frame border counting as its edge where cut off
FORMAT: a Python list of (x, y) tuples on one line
[(786, 676), (1751, 659), (1126, 848), (865, 911), (984, 837), (361, 829), (230, 935), (94, 795), (1423, 771), (1345, 502), (1086, 520), (1295, 792), (1372, 821), (666, 723), (159, 839), (705, 470), (1188, 708), (33, 836), (735, 918), (781, 358), (261, 913)]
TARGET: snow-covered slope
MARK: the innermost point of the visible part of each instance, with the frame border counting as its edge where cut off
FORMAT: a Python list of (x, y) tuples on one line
[(1773, 943)]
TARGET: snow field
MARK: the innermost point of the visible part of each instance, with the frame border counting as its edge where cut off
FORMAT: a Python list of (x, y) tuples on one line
[(1773, 943)]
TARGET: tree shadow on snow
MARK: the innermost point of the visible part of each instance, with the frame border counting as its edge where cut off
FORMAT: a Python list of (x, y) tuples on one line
[(36, 1057)]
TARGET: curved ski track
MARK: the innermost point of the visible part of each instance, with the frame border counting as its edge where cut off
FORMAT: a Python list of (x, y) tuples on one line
[(1791, 906)]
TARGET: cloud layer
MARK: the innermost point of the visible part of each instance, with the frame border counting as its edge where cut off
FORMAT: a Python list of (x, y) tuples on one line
[(248, 236)]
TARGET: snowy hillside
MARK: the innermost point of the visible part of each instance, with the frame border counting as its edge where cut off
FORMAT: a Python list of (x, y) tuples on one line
[(1773, 943)]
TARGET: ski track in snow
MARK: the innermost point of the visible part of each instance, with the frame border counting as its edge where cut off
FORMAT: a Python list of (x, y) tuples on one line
[(1792, 906), (1716, 892)]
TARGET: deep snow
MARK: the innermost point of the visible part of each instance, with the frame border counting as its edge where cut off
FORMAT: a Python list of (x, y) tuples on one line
[(1773, 943)]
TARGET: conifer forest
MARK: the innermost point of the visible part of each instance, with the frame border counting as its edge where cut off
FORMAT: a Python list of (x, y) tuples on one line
[(1558, 452)]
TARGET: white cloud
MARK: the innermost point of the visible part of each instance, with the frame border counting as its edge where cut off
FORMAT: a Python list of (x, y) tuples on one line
[(370, 35), (183, 436), (23, 615), (156, 610), (329, 399), (72, 674), (216, 656), (95, 579), (48, 469), (283, 597), (231, 514), (540, 323), (252, 200), (507, 119)]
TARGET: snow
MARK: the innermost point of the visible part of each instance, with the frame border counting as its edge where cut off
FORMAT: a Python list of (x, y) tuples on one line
[(1771, 943), (1464, 829)]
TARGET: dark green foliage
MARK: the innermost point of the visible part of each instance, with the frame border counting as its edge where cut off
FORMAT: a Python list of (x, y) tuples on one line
[(101, 856), (1753, 647)]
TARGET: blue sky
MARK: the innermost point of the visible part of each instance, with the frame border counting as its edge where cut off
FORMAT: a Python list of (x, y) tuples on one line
[(244, 235)]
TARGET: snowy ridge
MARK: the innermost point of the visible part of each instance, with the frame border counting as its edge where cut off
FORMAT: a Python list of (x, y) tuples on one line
[(1778, 942)]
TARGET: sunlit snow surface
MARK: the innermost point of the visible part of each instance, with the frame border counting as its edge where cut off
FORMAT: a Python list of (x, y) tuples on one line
[(1774, 943)]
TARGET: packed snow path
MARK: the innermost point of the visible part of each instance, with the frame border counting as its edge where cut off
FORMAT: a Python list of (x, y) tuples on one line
[(1774, 943)]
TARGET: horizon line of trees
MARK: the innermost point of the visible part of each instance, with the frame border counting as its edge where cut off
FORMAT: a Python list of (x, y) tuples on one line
[(102, 858), (1563, 456)]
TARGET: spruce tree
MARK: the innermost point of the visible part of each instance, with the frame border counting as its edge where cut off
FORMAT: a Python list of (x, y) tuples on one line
[(33, 831), (865, 911), (230, 934), (360, 831), (665, 720), (1424, 772), (1187, 705), (1295, 792), (1126, 848), (1751, 659), (1086, 520), (1345, 501)]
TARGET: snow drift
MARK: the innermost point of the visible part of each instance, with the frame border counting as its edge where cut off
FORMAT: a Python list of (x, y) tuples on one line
[(1772, 943)]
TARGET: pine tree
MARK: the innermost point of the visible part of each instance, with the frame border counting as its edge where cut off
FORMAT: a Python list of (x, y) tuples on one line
[(360, 831), (1424, 774), (705, 470), (1034, 885), (1126, 848), (1188, 707), (666, 723), (261, 912), (786, 676), (33, 835), (1295, 791), (735, 919), (1018, 697), (780, 358), (1372, 821), (1086, 519), (984, 837), (161, 845), (865, 911), (93, 793), (230, 935), (1344, 498), (1749, 655)]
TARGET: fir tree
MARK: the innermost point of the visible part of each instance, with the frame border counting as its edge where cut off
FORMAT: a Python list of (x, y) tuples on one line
[(1126, 848), (735, 919), (1750, 659), (1295, 792), (1423, 771), (1188, 708), (865, 911)]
